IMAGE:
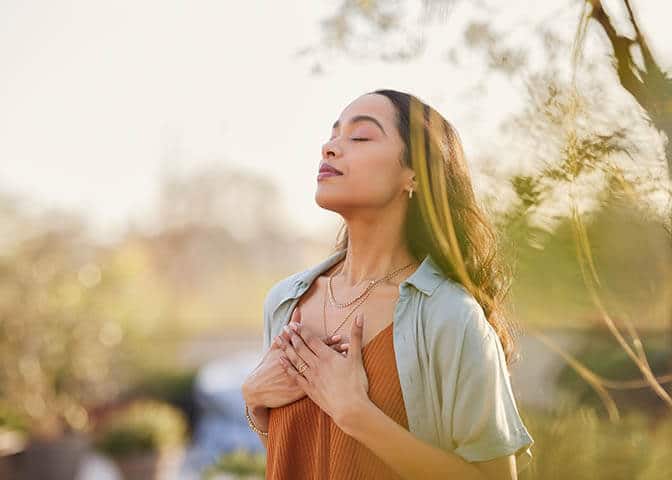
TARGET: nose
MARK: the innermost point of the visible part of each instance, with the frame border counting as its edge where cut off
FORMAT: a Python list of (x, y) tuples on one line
[(329, 147)]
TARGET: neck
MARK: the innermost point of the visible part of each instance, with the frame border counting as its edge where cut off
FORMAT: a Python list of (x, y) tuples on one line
[(375, 248)]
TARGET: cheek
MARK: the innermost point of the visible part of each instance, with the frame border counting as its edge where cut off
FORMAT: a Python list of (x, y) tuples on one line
[(377, 172), (375, 186)]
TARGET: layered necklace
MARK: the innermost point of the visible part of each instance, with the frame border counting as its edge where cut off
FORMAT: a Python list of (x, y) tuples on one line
[(361, 298)]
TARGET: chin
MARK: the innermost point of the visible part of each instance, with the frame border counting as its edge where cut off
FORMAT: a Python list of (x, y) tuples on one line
[(329, 200)]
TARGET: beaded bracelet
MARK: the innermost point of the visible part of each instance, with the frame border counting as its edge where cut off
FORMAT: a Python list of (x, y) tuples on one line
[(252, 425)]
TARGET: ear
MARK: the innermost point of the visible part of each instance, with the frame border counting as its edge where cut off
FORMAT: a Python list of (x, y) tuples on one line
[(411, 182)]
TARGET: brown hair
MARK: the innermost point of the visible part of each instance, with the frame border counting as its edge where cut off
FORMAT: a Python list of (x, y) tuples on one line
[(444, 220)]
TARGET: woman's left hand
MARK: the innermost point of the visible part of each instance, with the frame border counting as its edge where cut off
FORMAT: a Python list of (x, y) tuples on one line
[(336, 383)]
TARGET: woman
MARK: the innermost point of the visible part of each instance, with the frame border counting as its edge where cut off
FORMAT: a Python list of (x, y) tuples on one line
[(403, 372)]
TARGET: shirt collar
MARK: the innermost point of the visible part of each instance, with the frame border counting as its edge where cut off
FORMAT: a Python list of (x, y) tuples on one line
[(425, 278)]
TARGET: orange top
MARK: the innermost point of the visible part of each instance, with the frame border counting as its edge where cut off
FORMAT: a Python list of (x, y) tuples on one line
[(304, 443)]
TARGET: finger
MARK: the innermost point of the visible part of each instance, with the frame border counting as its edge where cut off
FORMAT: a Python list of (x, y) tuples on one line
[(297, 360), (284, 362), (296, 315), (332, 340), (278, 342), (281, 338), (340, 347), (294, 326), (299, 357), (291, 355), (312, 342), (304, 351), (286, 333), (356, 333), (294, 374)]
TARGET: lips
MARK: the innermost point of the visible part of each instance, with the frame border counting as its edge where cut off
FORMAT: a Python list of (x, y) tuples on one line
[(326, 168)]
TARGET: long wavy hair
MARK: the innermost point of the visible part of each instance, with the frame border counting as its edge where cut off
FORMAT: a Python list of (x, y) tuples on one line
[(444, 219)]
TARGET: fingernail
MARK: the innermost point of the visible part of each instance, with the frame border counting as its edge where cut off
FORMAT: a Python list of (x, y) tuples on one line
[(336, 338), (359, 320), (294, 326), (286, 328)]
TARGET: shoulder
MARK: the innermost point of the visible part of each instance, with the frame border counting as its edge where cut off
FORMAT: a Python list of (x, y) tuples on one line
[(452, 310), (280, 290), (289, 286), (277, 294)]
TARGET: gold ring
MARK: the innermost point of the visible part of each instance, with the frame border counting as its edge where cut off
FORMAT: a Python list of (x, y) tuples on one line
[(303, 367)]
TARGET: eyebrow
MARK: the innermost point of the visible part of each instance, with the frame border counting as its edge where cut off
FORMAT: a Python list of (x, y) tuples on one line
[(359, 118)]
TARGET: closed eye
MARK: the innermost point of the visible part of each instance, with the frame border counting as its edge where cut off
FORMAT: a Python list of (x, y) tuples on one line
[(356, 139)]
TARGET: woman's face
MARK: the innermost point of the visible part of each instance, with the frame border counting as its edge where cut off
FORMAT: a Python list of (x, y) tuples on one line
[(368, 153)]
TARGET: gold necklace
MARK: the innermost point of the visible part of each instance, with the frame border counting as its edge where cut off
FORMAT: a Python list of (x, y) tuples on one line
[(324, 313), (324, 306), (372, 284)]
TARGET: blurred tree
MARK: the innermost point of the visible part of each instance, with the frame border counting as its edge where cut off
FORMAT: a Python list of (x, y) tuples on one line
[(245, 204), (222, 236), (70, 313), (639, 72)]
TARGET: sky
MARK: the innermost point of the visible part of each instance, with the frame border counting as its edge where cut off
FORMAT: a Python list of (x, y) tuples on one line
[(96, 98)]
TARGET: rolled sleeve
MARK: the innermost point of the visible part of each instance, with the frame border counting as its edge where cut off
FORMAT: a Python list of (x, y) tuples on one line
[(486, 421)]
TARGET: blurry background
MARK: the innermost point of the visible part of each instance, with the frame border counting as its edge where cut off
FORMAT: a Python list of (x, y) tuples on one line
[(157, 173)]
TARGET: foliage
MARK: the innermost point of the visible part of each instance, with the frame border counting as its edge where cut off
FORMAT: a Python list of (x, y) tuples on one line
[(71, 312), (548, 289), (605, 358), (240, 463), (577, 443), (142, 426), (171, 385), (10, 419), (659, 463), (76, 314)]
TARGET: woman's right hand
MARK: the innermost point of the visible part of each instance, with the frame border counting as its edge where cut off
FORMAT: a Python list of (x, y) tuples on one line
[(268, 385)]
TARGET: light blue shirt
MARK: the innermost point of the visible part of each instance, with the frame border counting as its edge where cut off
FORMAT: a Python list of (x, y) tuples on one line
[(452, 369)]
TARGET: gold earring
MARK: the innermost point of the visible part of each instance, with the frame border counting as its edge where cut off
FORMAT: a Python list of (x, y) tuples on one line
[(410, 193)]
